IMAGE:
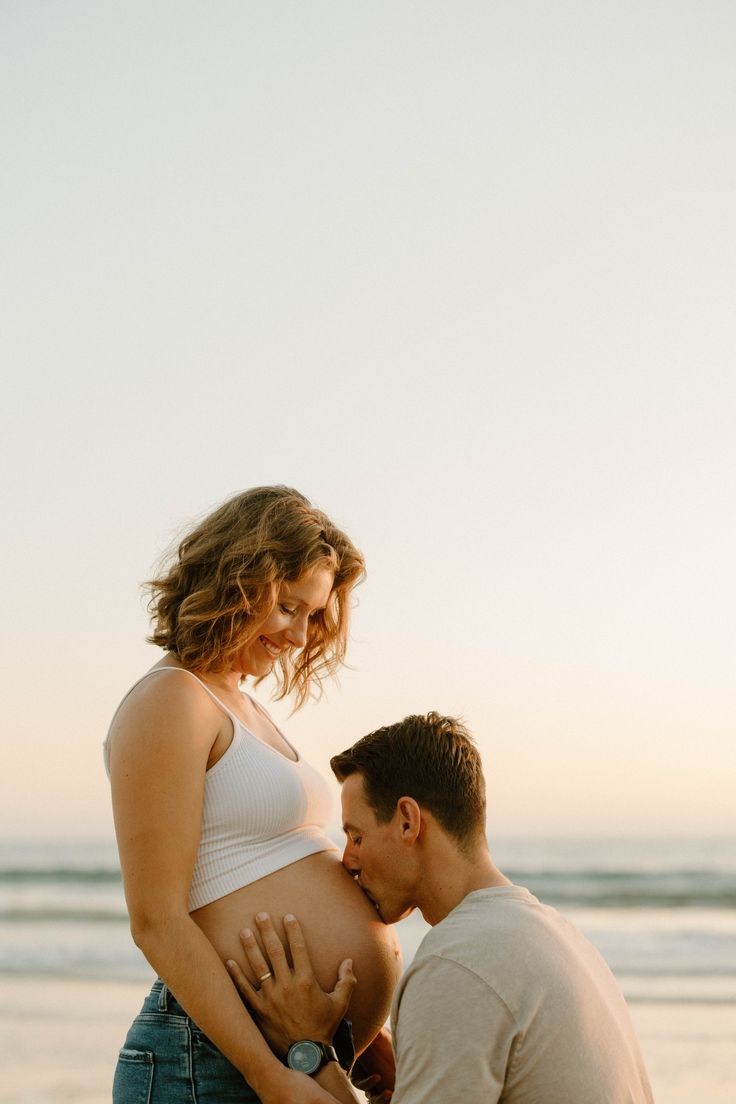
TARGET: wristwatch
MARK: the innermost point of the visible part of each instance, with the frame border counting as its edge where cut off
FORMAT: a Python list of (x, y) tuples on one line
[(306, 1056)]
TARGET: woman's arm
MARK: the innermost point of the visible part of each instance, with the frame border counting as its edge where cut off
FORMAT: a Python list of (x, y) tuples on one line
[(159, 750), (290, 1003)]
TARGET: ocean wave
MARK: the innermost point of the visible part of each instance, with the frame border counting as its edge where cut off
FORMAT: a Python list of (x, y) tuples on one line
[(587, 886), (63, 915), (61, 875), (631, 888)]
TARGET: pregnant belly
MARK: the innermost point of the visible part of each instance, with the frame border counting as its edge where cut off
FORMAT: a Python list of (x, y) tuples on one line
[(338, 922)]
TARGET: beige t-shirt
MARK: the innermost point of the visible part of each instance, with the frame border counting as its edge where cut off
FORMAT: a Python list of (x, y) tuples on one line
[(507, 1001)]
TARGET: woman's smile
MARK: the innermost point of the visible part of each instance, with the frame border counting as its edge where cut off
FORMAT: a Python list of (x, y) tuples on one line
[(287, 625), (273, 649)]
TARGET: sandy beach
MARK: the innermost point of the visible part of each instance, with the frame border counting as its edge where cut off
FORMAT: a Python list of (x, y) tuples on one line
[(59, 1040)]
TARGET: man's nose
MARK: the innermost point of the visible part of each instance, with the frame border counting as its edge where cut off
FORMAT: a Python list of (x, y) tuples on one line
[(348, 860)]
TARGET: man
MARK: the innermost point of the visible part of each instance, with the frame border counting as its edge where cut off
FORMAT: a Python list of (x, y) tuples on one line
[(505, 1000)]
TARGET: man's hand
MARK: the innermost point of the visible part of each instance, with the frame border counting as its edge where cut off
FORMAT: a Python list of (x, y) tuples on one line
[(290, 1004), (375, 1070)]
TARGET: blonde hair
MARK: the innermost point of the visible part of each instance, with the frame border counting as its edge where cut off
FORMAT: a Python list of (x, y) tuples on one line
[(213, 592)]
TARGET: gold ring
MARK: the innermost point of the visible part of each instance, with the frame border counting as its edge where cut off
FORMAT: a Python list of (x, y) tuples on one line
[(264, 976)]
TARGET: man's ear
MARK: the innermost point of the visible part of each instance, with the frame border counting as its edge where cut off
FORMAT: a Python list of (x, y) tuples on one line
[(409, 817)]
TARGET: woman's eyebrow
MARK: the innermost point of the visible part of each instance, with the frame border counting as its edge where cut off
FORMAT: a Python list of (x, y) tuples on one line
[(289, 596)]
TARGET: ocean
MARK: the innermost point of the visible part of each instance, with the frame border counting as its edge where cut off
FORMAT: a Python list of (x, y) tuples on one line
[(662, 912)]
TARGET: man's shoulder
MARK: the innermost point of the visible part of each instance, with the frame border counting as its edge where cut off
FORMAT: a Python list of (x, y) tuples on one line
[(504, 967), (511, 941), (497, 913), (479, 934)]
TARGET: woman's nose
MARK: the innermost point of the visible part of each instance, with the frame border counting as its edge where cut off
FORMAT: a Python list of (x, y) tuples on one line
[(296, 633)]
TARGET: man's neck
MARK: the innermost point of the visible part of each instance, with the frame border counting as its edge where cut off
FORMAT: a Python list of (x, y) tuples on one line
[(451, 873)]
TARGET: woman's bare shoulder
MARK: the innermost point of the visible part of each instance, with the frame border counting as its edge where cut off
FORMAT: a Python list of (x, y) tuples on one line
[(167, 702)]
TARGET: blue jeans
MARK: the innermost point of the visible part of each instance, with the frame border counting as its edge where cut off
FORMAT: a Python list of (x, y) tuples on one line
[(168, 1060)]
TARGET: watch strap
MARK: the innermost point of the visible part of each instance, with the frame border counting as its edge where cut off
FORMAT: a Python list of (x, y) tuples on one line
[(344, 1046)]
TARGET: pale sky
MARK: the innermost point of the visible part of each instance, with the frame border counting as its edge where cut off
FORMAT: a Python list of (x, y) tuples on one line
[(464, 275)]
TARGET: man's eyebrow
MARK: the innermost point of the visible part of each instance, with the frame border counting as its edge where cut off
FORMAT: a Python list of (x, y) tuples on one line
[(348, 827)]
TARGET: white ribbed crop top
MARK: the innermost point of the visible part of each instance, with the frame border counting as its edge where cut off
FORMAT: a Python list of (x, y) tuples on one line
[(261, 811)]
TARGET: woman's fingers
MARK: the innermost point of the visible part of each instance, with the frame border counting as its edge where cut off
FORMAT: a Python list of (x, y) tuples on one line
[(261, 968), (297, 947), (247, 991), (346, 982), (273, 947)]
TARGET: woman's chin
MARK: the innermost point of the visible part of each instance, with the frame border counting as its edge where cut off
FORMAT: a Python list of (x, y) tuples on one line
[(258, 668)]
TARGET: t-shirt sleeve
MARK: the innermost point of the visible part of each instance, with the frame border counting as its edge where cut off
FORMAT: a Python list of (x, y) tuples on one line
[(453, 1036)]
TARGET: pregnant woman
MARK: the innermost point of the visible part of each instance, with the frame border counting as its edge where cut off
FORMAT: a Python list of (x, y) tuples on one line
[(219, 817)]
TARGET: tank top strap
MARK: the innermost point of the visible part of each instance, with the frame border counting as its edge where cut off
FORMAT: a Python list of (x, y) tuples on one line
[(157, 670), (236, 723), (220, 704)]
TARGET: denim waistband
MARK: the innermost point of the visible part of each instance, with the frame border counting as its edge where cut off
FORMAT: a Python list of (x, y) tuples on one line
[(164, 1000), (167, 1059)]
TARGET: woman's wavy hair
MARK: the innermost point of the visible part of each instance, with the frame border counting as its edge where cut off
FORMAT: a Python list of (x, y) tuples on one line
[(213, 592)]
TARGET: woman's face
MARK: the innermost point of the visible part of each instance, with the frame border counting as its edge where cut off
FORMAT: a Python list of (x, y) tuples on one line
[(285, 627)]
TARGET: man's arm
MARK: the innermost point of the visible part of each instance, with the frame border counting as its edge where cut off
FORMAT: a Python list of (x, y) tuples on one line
[(452, 1035), (375, 1070)]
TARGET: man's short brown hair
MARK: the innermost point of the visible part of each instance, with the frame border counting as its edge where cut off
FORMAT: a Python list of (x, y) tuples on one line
[(430, 758)]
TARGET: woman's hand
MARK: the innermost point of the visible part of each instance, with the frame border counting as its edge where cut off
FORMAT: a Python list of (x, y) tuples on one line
[(290, 1004)]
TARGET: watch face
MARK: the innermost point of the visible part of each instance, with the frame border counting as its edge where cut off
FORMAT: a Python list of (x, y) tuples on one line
[(304, 1056)]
